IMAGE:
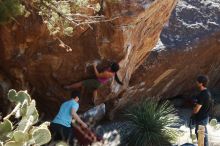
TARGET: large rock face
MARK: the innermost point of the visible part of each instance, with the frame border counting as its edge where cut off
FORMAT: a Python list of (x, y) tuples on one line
[(190, 22), (189, 45), (33, 60), (173, 73)]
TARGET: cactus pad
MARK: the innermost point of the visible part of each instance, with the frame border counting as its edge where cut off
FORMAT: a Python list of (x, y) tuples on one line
[(31, 108), (22, 124), (20, 96), (213, 122), (41, 136), (35, 116), (5, 127), (24, 108), (23, 133), (12, 95), (13, 143), (20, 136)]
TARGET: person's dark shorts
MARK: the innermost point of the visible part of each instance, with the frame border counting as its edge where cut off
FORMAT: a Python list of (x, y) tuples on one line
[(91, 83), (60, 132)]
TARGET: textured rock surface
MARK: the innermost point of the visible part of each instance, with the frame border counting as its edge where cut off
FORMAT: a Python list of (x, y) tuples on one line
[(190, 22), (31, 59), (172, 73), (189, 45)]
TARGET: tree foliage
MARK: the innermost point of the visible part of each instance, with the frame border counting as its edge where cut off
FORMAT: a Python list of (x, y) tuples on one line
[(9, 9), (62, 17)]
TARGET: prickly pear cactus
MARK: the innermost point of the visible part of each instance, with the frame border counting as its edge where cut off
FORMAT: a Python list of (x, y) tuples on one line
[(23, 132), (14, 143), (41, 136), (12, 95), (20, 136), (20, 96), (5, 128), (32, 110), (213, 122), (24, 108)]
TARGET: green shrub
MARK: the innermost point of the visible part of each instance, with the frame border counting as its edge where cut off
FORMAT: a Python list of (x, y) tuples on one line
[(148, 124)]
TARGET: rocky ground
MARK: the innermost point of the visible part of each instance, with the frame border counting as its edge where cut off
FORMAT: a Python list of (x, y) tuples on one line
[(113, 131)]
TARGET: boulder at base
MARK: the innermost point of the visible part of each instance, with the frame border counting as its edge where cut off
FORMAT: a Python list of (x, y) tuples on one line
[(94, 115)]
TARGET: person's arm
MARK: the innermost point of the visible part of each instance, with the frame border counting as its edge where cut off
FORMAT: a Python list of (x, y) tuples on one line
[(77, 118), (198, 105), (196, 108), (104, 74), (95, 69)]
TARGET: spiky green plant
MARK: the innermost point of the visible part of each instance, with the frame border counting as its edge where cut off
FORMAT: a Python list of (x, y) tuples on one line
[(148, 124)]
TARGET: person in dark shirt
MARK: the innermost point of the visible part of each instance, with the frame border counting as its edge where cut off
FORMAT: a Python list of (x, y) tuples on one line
[(202, 107)]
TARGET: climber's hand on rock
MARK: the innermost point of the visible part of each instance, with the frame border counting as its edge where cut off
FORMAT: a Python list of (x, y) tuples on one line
[(95, 64)]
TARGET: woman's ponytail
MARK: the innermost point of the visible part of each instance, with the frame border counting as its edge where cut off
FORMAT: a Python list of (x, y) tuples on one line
[(114, 68), (117, 79)]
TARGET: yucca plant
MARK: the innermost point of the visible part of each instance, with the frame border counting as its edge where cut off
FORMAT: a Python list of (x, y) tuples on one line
[(148, 124)]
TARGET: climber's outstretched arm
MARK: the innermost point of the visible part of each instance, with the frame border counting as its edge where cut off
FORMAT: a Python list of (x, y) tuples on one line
[(78, 119)]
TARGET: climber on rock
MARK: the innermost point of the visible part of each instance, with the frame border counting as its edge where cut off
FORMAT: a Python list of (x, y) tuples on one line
[(61, 126), (101, 78)]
